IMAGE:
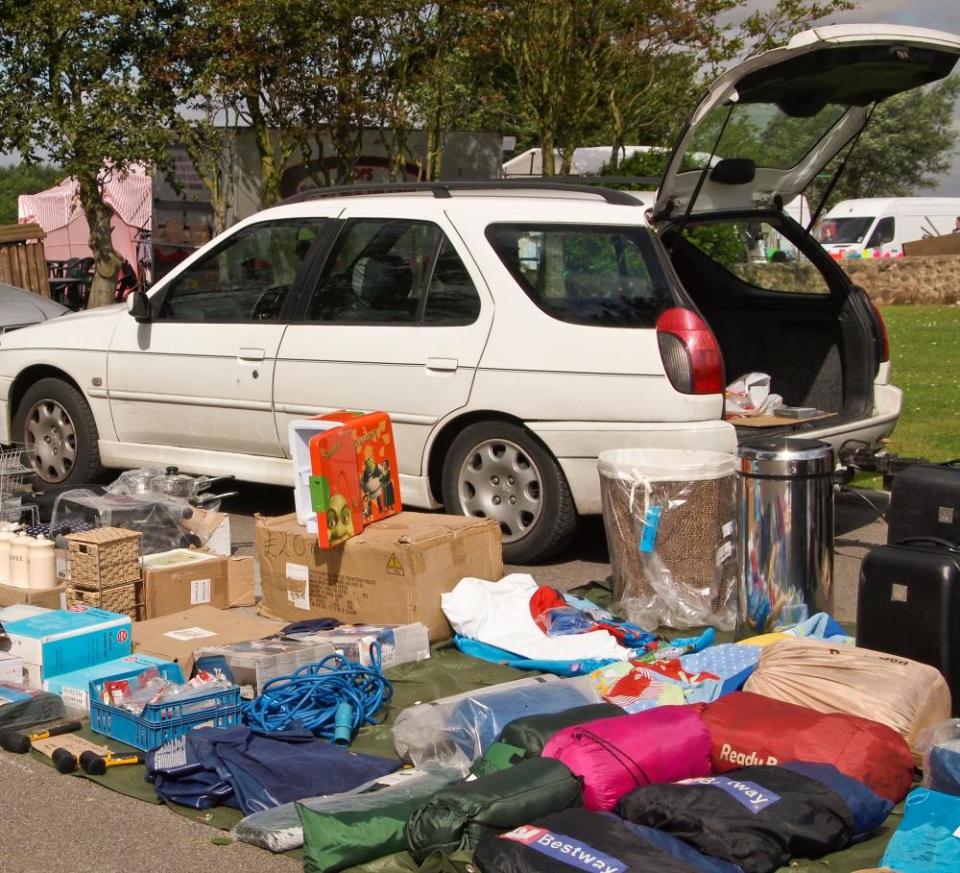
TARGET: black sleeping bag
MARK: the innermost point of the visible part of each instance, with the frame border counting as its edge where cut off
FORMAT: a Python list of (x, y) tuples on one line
[(761, 817), (575, 839)]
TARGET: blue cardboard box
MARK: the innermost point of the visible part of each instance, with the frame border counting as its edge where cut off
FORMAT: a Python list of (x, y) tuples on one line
[(74, 687), (61, 641)]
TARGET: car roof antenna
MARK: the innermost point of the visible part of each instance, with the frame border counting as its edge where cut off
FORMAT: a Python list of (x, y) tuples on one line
[(839, 171), (706, 169)]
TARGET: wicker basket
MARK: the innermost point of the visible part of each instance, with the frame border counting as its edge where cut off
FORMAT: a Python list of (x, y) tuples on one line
[(103, 558), (121, 598)]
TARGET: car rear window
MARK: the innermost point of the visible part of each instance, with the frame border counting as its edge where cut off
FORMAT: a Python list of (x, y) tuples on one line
[(586, 274)]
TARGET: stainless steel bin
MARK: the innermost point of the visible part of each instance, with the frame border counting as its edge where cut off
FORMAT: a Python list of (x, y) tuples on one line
[(785, 491)]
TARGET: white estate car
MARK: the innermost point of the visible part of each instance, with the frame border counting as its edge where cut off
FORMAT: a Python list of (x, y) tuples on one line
[(512, 332)]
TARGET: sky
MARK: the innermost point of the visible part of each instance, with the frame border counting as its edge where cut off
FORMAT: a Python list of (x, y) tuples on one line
[(934, 14)]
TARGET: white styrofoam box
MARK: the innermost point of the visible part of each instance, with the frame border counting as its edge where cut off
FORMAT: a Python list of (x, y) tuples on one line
[(11, 668), (299, 433)]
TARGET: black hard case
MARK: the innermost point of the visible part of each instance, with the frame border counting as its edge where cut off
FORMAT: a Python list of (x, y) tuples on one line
[(909, 605), (925, 502)]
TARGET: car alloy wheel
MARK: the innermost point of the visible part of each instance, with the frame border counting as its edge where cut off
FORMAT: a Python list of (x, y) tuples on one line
[(499, 480), (51, 440)]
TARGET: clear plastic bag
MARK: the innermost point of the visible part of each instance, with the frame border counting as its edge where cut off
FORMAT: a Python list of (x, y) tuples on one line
[(939, 745), (670, 520), (455, 731), (279, 829), (160, 520)]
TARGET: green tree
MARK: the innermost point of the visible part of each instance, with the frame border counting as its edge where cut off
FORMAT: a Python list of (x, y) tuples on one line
[(908, 142), (23, 179), (72, 94)]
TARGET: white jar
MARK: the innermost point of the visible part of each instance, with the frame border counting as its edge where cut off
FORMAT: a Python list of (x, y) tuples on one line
[(20, 561), (42, 564), (5, 539)]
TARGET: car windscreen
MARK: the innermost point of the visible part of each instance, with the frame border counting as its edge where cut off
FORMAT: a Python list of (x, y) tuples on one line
[(607, 276), (843, 231)]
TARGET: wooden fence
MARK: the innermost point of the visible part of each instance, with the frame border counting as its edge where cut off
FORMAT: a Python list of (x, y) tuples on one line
[(22, 261)]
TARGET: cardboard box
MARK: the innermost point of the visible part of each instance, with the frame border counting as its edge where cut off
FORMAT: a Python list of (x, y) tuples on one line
[(176, 637), (181, 579), (392, 573), (51, 598), (74, 687), (240, 581), (213, 528), (60, 641)]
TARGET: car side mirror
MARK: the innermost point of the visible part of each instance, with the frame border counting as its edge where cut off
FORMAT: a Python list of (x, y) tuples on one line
[(138, 305)]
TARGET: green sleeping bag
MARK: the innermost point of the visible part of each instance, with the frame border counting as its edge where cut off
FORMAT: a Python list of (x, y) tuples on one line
[(456, 817), (532, 731)]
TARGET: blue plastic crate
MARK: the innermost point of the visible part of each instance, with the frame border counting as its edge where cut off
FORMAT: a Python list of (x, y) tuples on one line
[(161, 722)]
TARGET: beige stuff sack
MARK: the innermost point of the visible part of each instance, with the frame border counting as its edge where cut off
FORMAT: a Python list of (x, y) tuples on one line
[(903, 694)]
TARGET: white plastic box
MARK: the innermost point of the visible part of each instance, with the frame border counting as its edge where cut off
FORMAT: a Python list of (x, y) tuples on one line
[(399, 643), (299, 433), (256, 662)]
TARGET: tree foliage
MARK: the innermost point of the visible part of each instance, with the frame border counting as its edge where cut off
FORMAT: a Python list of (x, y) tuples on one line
[(909, 141), (72, 95), (23, 179)]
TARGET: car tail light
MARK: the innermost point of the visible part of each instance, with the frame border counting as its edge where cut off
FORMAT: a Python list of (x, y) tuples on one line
[(690, 352), (882, 339)]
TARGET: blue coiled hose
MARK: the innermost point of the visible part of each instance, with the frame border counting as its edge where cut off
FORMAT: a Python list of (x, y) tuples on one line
[(332, 698)]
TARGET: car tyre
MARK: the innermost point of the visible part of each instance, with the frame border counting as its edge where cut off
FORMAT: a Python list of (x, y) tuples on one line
[(500, 470), (57, 427)]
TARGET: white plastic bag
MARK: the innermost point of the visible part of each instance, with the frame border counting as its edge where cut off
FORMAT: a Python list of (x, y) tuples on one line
[(750, 395), (939, 745)]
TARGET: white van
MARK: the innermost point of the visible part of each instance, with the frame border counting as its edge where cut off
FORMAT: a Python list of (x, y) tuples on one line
[(884, 224)]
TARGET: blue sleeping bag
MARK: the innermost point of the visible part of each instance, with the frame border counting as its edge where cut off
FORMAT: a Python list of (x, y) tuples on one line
[(253, 771)]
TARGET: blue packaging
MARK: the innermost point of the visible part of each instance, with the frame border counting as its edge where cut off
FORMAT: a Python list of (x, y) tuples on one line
[(61, 641)]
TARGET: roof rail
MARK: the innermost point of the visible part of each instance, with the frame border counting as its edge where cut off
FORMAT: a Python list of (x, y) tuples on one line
[(442, 190)]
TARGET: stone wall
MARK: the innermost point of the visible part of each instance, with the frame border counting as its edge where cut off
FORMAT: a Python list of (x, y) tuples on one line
[(933, 279)]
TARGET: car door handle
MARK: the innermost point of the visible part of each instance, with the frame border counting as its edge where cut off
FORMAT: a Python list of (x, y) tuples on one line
[(254, 355), (443, 365)]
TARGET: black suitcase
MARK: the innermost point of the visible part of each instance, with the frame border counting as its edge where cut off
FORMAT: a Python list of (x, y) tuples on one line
[(925, 502), (908, 604)]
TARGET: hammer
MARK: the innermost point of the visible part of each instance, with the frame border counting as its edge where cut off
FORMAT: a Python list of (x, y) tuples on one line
[(96, 765), (21, 743)]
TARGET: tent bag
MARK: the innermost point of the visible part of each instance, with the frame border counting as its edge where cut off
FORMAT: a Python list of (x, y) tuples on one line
[(747, 729), (532, 732), (761, 817), (362, 827), (581, 840), (456, 817), (903, 694), (615, 755)]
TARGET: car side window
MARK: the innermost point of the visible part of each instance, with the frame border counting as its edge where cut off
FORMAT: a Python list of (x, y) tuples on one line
[(393, 271), (246, 278), (452, 297), (758, 254), (883, 233)]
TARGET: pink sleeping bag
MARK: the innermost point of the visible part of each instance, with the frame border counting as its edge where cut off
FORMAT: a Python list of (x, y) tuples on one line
[(614, 756)]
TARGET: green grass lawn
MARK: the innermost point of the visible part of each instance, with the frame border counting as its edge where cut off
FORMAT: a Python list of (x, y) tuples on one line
[(925, 360)]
